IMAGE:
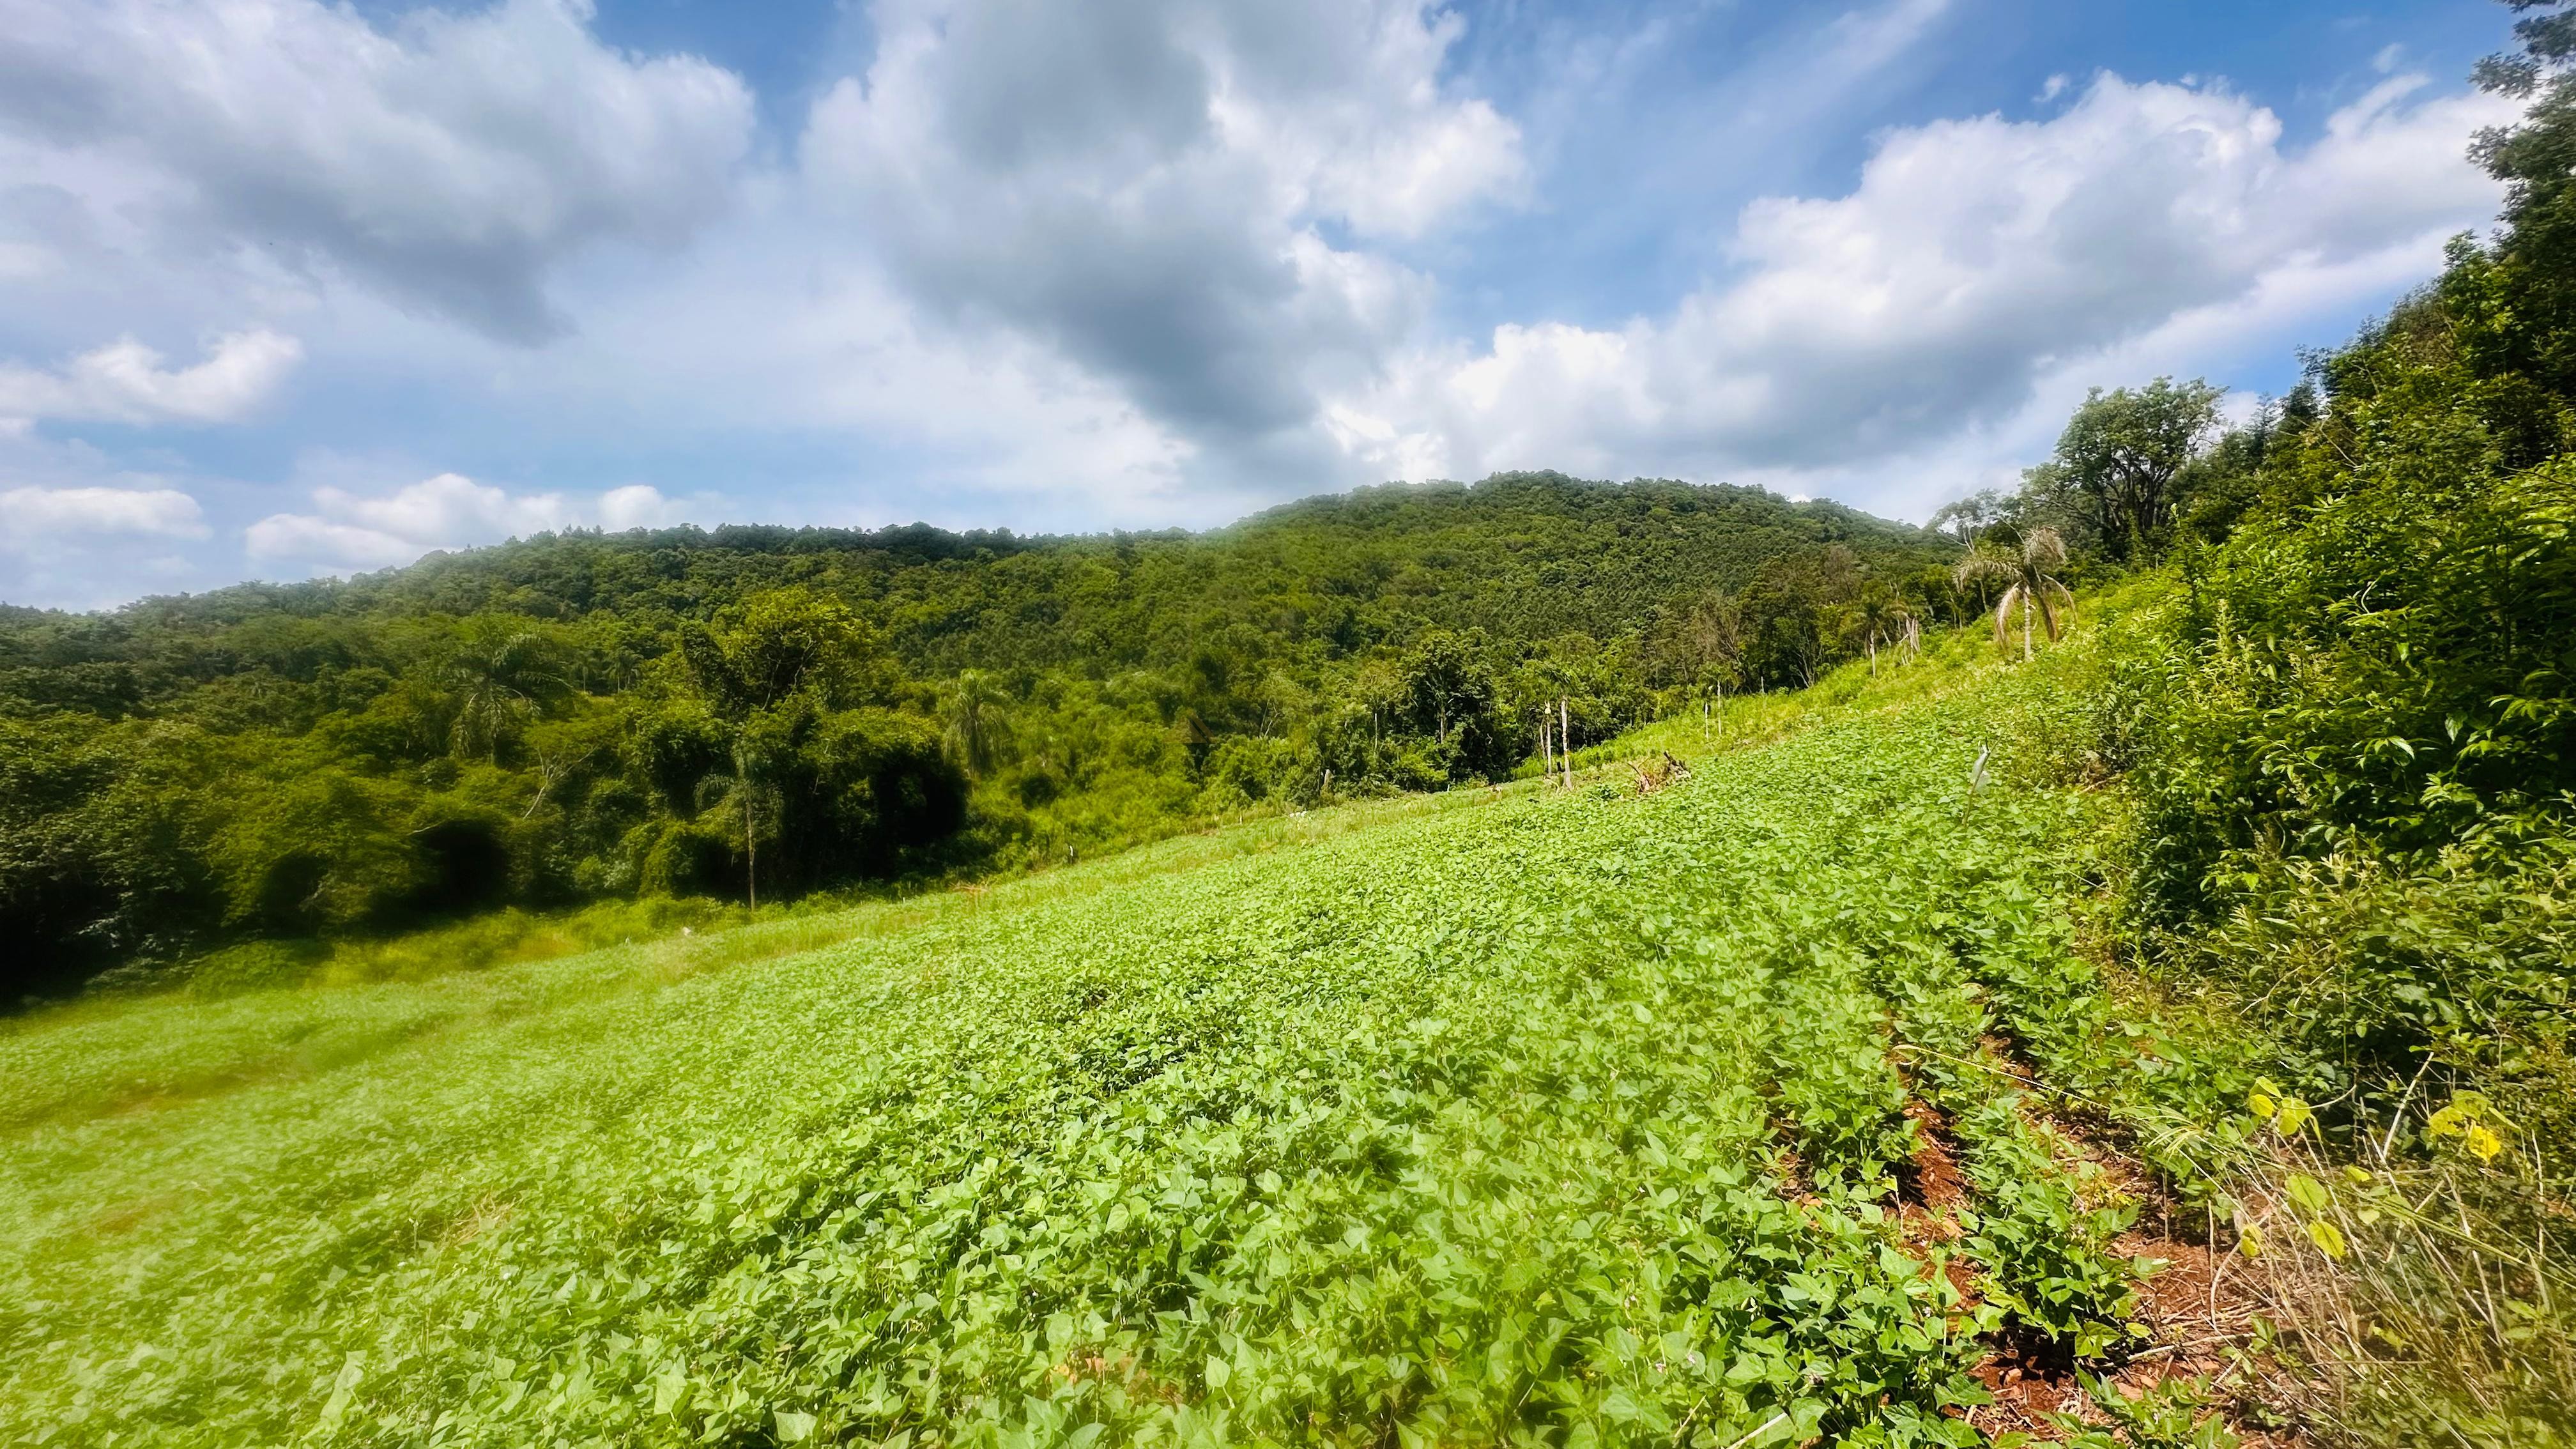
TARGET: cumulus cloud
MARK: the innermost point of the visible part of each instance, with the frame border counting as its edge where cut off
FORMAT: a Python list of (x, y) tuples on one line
[(349, 532), (1974, 258), (1146, 184), (124, 382), (78, 531), (449, 160), (35, 519), (1129, 262)]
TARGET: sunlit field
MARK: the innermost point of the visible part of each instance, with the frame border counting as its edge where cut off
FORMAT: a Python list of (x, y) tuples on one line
[(1495, 1116)]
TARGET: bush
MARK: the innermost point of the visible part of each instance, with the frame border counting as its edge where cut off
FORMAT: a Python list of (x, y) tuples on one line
[(2354, 748)]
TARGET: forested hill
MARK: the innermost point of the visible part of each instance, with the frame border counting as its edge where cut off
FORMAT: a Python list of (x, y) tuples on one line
[(766, 711), (1518, 556)]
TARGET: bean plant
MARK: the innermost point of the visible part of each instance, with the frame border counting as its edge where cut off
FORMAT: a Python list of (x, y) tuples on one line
[(1572, 1117)]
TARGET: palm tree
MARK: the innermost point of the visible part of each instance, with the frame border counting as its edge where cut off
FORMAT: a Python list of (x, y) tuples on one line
[(499, 676), (749, 796), (2030, 580), (975, 723), (1882, 619)]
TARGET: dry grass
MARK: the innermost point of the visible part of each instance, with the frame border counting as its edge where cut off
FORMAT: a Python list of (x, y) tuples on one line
[(2445, 1312)]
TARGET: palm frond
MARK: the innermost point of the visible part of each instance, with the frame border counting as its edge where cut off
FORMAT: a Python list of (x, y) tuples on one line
[(2044, 549), (1983, 565)]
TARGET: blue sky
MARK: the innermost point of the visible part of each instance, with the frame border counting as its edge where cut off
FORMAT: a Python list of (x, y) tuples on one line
[(290, 289)]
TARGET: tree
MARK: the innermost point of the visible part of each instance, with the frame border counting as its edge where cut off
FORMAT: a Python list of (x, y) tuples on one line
[(1550, 687), (759, 752), (1882, 619), (780, 641), (501, 671), (2029, 576), (2116, 463), (1792, 615), (1702, 647), (1971, 518), (1380, 689), (2522, 300), (2216, 489), (1447, 685), (975, 726), (767, 669)]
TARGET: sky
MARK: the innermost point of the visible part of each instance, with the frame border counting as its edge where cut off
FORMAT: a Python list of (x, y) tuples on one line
[(290, 289)]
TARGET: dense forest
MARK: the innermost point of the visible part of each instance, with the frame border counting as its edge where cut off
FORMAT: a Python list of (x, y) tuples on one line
[(762, 712)]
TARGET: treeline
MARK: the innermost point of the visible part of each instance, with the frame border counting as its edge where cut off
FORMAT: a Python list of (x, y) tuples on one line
[(758, 713)]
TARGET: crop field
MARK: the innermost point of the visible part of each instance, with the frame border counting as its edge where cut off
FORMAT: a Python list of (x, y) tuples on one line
[(1564, 1116)]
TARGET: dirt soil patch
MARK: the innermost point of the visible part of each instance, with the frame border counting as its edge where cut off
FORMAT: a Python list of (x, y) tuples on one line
[(2197, 1311)]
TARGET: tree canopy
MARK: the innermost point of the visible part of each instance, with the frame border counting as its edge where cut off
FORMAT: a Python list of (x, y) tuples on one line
[(2117, 462)]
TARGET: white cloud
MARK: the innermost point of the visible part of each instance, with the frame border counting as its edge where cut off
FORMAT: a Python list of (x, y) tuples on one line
[(1975, 259), (1130, 262), (637, 505), (349, 532), (759, 341), (124, 382), (1143, 185), (36, 519), (78, 531), (450, 160), (25, 261), (1343, 105)]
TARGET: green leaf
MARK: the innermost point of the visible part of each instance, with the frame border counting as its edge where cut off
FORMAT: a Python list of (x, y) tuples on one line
[(2327, 1237), (2307, 1192)]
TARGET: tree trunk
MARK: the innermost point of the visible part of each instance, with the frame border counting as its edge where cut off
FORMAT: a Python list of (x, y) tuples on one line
[(750, 850), (1565, 729)]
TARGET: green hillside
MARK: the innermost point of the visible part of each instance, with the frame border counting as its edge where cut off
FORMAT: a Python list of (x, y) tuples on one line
[(1491, 1115), (1787, 1098), (771, 712)]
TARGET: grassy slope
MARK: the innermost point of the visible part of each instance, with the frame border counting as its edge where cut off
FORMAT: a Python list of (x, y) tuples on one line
[(1463, 1114)]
